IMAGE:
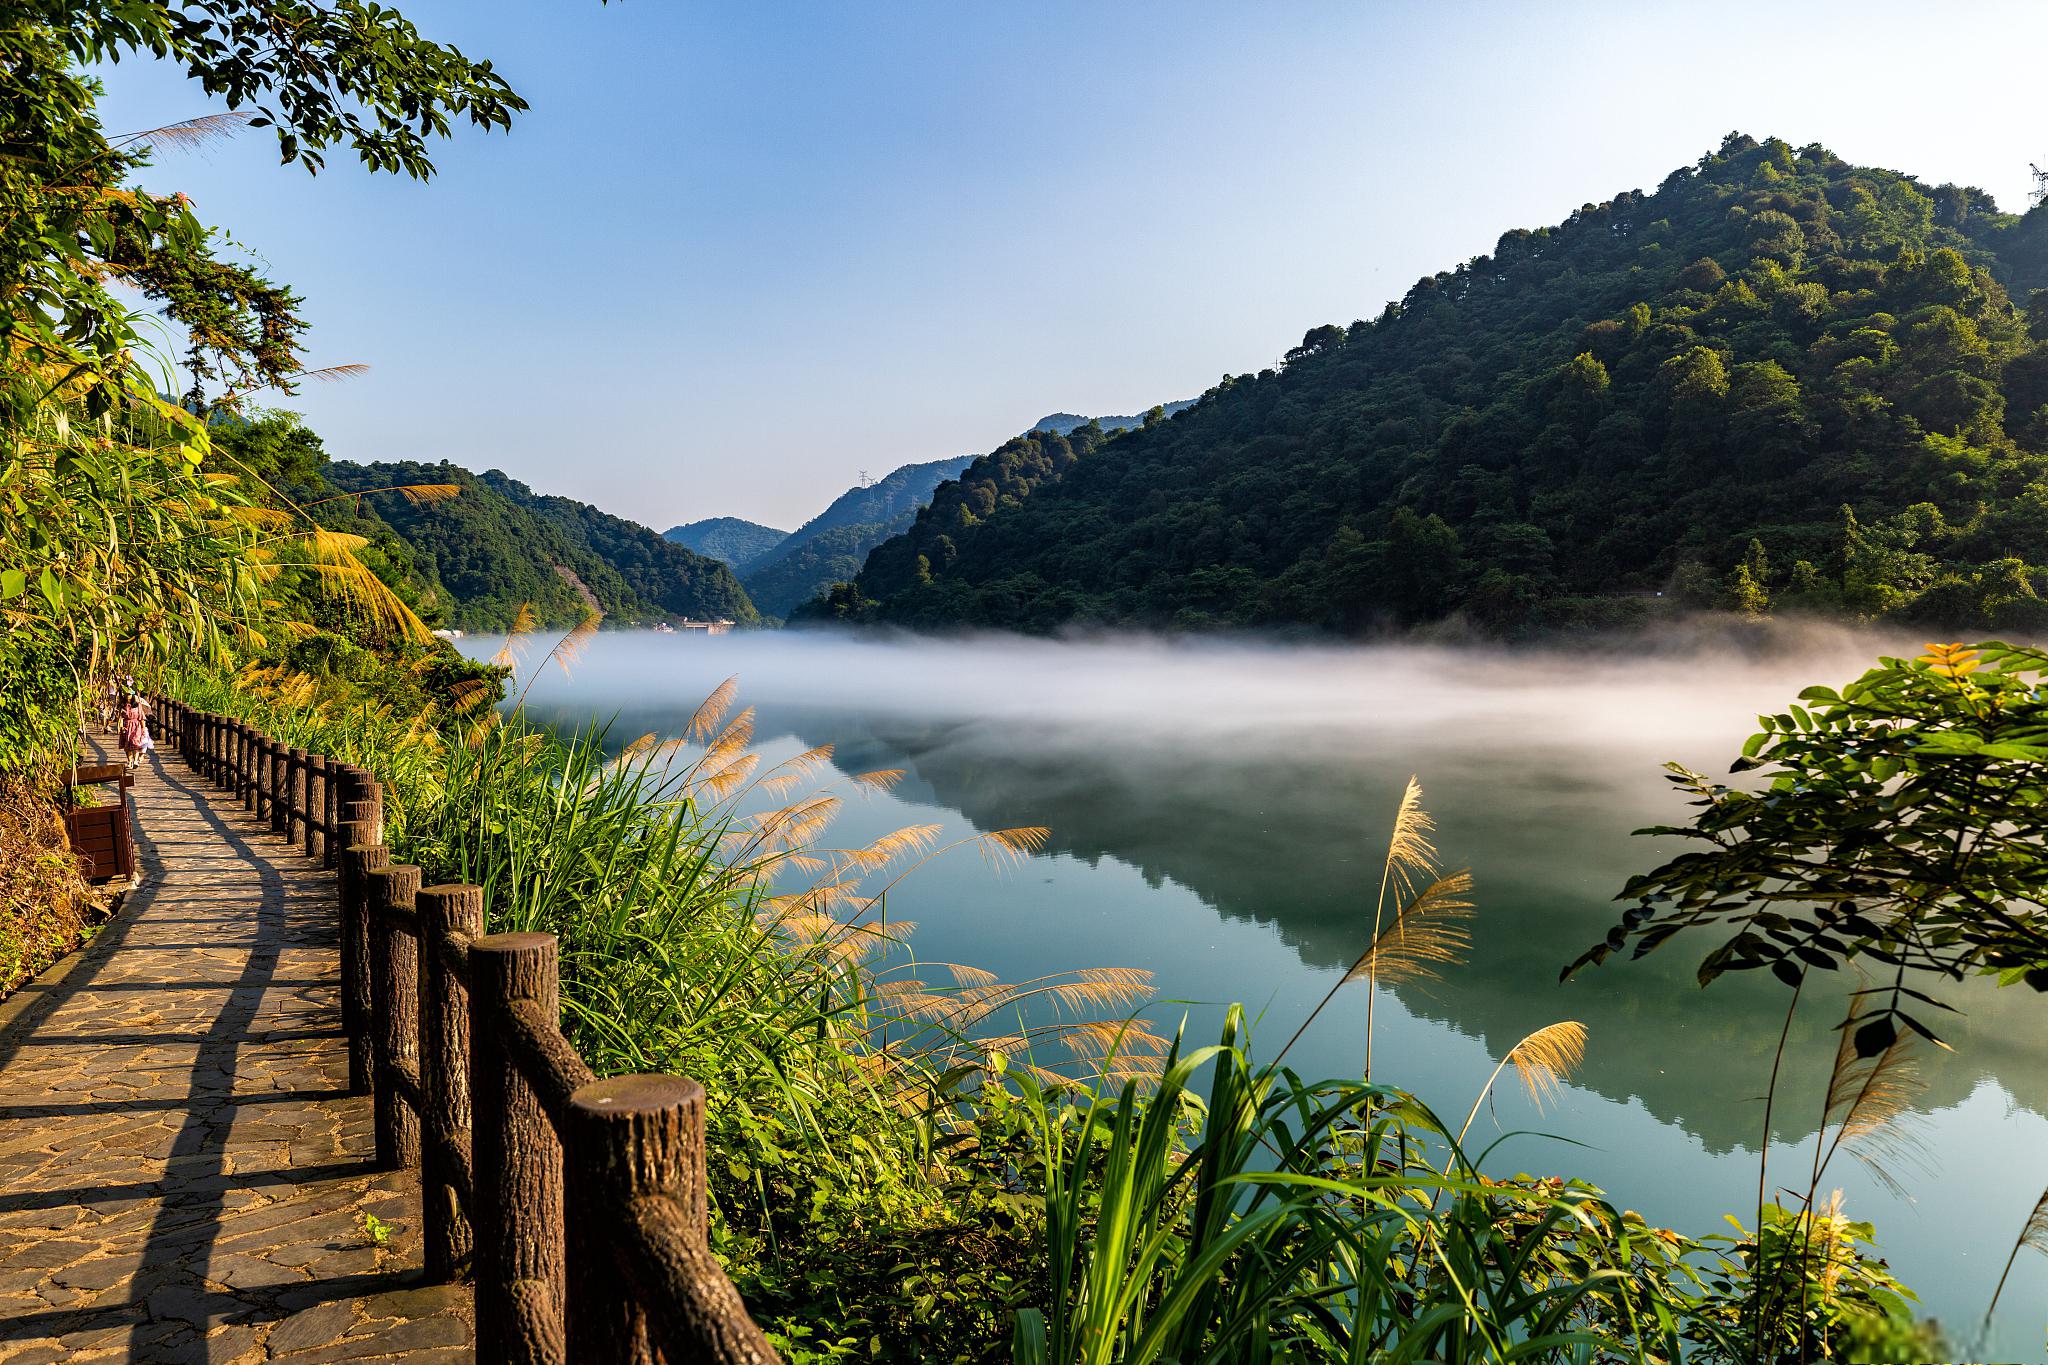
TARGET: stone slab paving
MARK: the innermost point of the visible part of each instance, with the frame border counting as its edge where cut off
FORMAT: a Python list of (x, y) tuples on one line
[(183, 1175)]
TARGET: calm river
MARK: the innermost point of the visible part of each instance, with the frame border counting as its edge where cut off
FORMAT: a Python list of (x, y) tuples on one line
[(1218, 815)]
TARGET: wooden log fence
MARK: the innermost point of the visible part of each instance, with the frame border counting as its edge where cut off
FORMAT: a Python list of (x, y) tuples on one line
[(577, 1204)]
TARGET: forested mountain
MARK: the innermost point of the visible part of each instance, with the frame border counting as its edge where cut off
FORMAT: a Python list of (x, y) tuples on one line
[(831, 556), (831, 546), (1779, 381), (737, 543), (674, 580), (901, 490), (497, 544), (927, 550)]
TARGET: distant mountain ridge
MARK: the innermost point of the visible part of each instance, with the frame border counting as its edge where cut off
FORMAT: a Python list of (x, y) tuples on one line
[(901, 490), (737, 543), (831, 546), (781, 571)]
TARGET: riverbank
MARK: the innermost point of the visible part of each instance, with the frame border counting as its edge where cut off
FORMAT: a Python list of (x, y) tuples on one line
[(864, 1110), (1214, 809)]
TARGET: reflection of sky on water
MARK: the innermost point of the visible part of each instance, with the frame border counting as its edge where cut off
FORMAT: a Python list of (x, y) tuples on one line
[(1218, 814)]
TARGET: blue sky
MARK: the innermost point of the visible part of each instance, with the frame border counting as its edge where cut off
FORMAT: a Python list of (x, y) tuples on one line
[(738, 253)]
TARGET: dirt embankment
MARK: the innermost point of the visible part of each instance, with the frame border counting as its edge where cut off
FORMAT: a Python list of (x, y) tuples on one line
[(45, 906)]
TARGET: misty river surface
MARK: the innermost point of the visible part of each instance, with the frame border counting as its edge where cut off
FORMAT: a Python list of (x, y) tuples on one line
[(1218, 814)]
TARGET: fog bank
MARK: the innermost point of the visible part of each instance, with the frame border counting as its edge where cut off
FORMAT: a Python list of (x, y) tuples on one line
[(1680, 689)]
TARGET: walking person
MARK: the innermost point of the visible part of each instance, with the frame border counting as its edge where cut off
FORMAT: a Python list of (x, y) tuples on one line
[(135, 740)]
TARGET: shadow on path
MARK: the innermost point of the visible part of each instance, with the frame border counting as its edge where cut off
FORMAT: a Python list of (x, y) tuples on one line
[(183, 1175)]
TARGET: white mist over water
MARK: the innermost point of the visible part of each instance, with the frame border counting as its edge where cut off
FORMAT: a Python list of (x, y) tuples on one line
[(1218, 808), (1678, 691)]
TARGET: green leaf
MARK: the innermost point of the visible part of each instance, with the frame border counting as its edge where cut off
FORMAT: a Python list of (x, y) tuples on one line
[(1877, 1035), (2025, 753), (13, 583)]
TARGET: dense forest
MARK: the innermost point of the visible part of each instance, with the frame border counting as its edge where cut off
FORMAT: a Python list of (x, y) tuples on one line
[(1780, 382), (733, 541), (830, 547), (669, 578), (794, 576), (496, 544)]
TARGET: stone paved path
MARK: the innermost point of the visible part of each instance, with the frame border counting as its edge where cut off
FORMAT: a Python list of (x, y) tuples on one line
[(182, 1173)]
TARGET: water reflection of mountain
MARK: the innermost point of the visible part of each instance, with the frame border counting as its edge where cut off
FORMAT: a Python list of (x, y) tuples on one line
[(1291, 836), (1288, 839)]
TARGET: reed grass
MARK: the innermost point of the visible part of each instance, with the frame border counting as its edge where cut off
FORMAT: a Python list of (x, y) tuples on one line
[(707, 925)]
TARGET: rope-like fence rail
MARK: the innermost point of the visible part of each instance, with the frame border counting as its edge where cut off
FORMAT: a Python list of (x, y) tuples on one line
[(577, 1203)]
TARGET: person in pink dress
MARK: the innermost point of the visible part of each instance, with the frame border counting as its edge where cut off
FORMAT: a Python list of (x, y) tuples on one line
[(135, 740)]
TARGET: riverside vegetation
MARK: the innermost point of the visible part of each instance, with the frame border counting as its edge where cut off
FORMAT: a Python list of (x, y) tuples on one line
[(914, 1160)]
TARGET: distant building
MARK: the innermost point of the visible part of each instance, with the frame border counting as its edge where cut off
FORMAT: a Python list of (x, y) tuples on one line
[(446, 634), (718, 627)]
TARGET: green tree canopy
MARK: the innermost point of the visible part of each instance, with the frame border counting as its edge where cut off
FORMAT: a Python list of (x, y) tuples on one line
[(1903, 824)]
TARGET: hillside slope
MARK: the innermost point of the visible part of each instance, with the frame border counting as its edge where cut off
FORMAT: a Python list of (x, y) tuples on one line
[(830, 547), (1779, 380), (896, 493), (794, 577), (673, 579), (737, 543), (496, 544)]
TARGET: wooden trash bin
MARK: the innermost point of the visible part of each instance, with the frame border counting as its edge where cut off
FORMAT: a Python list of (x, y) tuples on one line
[(100, 836)]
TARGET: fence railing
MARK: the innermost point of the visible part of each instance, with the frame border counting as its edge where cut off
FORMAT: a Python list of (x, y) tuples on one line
[(577, 1203)]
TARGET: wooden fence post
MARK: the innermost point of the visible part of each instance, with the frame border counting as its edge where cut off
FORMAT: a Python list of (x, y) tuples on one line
[(280, 786), (258, 746), (250, 740), (331, 796), (517, 1176), (450, 917), (361, 859), (370, 806), (394, 1014), (316, 806), (634, 1164), (625, 1137), (295, 809), (266, 795)]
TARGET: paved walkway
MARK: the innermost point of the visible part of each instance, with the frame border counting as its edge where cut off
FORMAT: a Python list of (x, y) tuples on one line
[(183, 1176)]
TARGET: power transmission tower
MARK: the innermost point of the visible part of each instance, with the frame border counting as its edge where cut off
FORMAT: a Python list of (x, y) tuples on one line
[(865, 480), (2039, 194)]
